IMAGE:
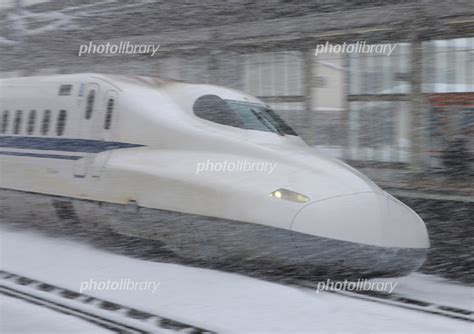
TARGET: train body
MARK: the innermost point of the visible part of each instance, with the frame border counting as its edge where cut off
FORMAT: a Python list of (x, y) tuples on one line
[(135, 154)]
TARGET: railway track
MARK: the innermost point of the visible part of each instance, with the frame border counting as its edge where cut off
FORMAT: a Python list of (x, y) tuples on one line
[(123, 319), (115, 317), (398, 300)]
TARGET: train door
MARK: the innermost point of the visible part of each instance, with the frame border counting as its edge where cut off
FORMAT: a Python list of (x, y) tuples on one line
[(110, 103), (90, 107), (89, 104), (107, 119)]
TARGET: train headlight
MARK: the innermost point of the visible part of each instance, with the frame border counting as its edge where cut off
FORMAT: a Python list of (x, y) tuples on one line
[(290, 196)]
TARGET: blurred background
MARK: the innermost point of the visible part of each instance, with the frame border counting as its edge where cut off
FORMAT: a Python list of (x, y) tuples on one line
[(406, 120)]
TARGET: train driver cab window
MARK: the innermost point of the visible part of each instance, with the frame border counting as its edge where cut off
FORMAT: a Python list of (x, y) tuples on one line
[(108, 115), (61, 122), (17, 122), (31, 122), (90, 104), (215, 109), (5, 119), (241, 114)]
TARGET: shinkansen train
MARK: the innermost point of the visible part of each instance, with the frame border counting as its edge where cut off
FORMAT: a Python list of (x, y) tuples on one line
[(139, 156)]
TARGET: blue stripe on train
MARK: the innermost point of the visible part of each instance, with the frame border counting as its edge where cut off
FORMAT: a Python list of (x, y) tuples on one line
[(39, 155), (62, 144)]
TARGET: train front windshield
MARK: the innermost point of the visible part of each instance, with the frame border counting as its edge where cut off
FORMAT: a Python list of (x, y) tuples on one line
[(244, 115)]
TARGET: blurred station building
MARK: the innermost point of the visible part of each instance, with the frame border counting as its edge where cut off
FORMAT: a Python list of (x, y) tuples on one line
[(408, 114)]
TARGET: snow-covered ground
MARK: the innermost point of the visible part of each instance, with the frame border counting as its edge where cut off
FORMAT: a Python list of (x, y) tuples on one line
[(435, 290), (18, 316), (220, 301)]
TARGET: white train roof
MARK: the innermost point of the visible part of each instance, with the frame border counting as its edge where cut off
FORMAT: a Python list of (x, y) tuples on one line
[(124, 82)]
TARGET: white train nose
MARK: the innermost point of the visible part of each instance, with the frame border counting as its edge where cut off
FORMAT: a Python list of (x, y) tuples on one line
[(366, 231), (369, 218)]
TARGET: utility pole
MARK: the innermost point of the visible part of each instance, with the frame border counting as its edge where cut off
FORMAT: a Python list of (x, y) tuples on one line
[(418, 107)]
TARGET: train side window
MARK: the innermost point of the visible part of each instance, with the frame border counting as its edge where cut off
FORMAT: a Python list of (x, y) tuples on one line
[(45, 122), (31, 122), (65, 90), (17, 122), (108, 115), (5, 119), (90, 104), (61, 122)]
